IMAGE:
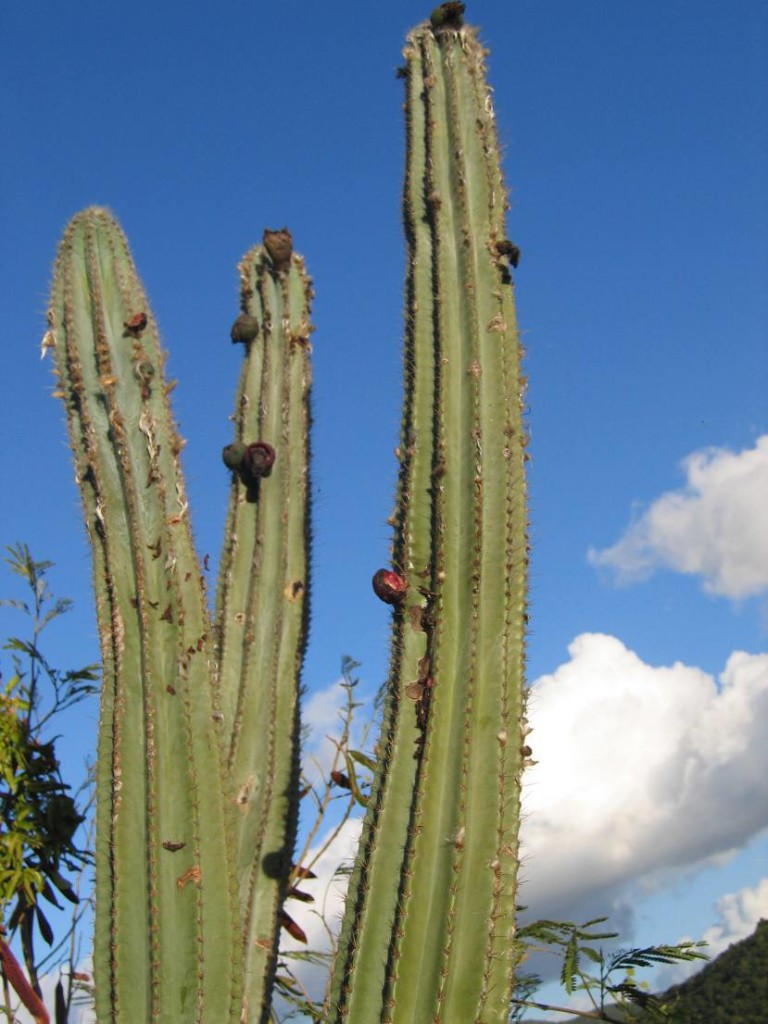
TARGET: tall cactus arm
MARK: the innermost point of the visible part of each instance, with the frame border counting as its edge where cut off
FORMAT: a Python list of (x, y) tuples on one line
[(429, 925), (166, 911), (263, 596)]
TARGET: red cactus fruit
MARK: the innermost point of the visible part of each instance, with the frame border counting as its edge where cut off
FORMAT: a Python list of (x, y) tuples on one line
[(259, 459), (389, 586)]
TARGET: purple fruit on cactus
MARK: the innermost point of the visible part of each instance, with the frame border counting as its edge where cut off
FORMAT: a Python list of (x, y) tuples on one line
[(390, 587), (259, 458)]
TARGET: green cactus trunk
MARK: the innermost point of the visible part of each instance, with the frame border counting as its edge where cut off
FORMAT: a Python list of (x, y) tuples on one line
[(170, 928), (429, 925), (263, 601)]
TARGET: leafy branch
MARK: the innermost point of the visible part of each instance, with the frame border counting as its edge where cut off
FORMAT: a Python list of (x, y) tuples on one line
[(39, 817), (589, 969)]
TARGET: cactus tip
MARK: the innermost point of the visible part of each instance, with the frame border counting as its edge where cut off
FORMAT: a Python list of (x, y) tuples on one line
[(279, 246), (448, 15)]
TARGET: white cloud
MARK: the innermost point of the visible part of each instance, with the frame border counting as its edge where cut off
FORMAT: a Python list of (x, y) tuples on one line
[(80, 1013), (715, 527), (738, 915), (329, 890), (641, 769), (322, 714)]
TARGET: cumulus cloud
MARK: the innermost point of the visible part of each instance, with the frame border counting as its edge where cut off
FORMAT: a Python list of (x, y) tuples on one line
[(641, 769), (714, 527), (322, 715), (738, 916), (322, 919)]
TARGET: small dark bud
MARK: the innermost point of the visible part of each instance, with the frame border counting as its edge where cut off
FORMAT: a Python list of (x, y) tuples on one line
[(449, 15), (135, 325), (293, 929), (258, 460), (233, 456), (299, 894), (509, 249), (341, 780), (245, 329), (389, 586), (279, 246), (301, 872)]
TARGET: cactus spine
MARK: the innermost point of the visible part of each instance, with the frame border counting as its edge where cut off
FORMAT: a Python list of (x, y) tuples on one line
[(172, 850), (429, 923)]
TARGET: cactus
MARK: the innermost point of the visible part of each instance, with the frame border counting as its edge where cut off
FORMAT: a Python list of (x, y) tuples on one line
[(187, 829), (429, 922), (263, 599), (198, 744)]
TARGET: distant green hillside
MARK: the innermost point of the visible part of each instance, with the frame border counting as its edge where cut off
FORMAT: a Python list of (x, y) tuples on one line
[(732, 989)]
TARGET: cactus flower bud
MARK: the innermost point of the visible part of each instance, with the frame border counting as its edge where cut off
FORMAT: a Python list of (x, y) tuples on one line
[(135, 324), (341, 779), (245, 328), (389, 586), (259, 458), (279, 246), (233, 455)]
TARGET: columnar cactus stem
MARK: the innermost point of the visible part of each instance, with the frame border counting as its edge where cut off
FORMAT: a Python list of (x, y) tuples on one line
[(262, 600), (428, 930), (166, 924)]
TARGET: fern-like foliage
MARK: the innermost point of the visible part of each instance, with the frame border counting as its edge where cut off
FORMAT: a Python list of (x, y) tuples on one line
[(587, 968)]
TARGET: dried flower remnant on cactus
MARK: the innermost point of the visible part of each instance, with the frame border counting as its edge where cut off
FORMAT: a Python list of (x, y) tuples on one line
[(448, 15), (390, 587), (245, 329), (279, 246), (510, 250)]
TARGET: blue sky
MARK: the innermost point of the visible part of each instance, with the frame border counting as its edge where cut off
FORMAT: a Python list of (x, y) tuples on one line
[(636, 149)]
